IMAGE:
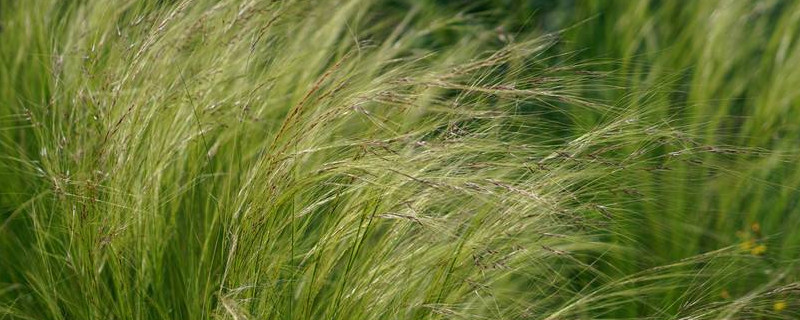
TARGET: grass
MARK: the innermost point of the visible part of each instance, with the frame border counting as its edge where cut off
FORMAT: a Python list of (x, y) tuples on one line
[(376, 159)]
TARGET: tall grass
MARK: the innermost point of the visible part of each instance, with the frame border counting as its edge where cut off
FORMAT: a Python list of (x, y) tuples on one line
[(372, 159)]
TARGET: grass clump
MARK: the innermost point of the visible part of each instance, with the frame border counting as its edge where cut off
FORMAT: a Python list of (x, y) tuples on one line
[(389, 160)]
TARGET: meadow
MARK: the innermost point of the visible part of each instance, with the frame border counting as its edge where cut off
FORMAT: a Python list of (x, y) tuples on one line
[(399, 159)]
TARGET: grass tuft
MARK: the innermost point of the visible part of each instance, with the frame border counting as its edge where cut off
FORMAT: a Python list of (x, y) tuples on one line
[(370, 159)]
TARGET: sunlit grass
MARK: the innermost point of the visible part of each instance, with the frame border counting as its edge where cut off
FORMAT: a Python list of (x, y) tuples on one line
[(389, 160)]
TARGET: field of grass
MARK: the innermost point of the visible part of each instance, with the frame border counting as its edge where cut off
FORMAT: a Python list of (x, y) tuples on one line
[(399, 159)]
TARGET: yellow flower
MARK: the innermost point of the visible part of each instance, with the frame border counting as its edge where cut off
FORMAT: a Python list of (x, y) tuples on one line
[(725, 294), (779, 305), (755, 227), (745, 246), (759, 249)]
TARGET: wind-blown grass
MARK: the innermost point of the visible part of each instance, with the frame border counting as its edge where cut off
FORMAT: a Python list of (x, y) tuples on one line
[(390, 160)]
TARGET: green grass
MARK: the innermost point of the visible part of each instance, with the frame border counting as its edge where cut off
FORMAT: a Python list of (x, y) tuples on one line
[(377, 159)]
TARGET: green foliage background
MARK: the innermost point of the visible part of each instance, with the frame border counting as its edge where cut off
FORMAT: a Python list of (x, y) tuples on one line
[(377, 159)]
